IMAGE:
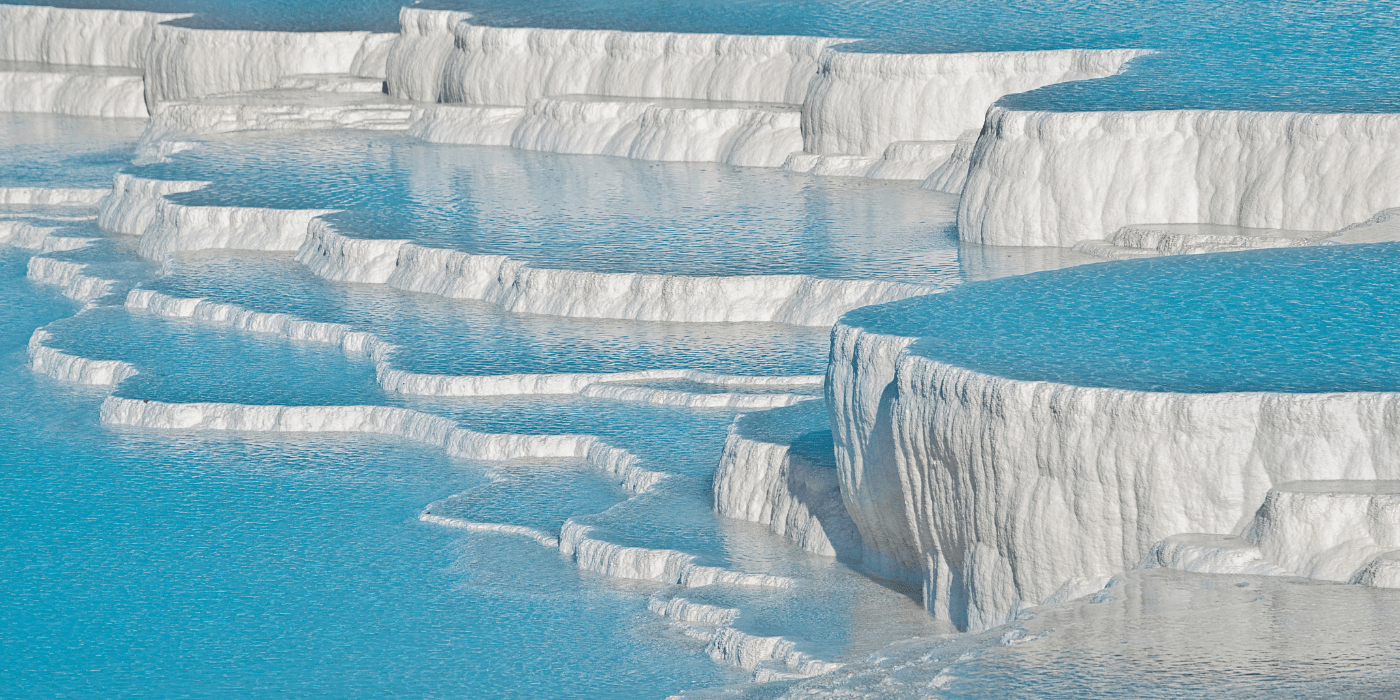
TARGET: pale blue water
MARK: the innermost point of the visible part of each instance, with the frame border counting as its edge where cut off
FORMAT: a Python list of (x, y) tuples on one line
[(1289, 319), (438, 336), (143, 563), (148, 564), (49, 149), (271, 550), (1291, 55), (1157, 633), (541, 496), (184, 362), (1294, 55), (584, 212)]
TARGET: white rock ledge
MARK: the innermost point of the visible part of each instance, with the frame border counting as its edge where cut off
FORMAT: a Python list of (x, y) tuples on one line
[(53, 196), (998, 493), (1328, 530), (1058, 178), (517, 287), (76, 91), (503, 86), (73, 369), (357, 344), (777, 472)]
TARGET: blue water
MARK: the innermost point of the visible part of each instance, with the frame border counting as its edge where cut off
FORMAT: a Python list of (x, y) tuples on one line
[(439, 336), (180, 361), (209, 564), (141, 564), (1157, 633), (584, 212), (49, 149), (1294, 55), (1289, 319), (540, 496), (1290, 55)]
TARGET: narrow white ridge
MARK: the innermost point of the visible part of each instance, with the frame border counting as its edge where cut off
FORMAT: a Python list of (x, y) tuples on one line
[(670, 397), (514, 286), (423, 428), (350, 84), (268, 111), (902, 160), (667, 566), (682, 610), (363, 344), (52, 196), (419, 427), (77, 370), (1211, 554), (1189, 239), (544, 539), (138, 207), (734, 648), (23, 234), (353, 343), (660, 565), (69, 278), (1384, 227)]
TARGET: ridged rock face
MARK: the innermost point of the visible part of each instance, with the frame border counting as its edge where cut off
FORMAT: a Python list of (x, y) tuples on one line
[(777, 471), (745, 135), (853, 105), (1329, 530), (77, 94), (1054, 179), (418, 54), (56, 35), (184, 64), (497, 66), (515, 286), (139, 207), (859, 103), (1002, 494)]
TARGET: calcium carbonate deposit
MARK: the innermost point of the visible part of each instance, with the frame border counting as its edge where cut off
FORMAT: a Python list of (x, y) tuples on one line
[(504, 349)]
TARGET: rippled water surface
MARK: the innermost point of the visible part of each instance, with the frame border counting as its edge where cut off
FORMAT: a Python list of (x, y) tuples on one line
[(48, 149), (585, 212), (1151, 634), (140, 563), (210, 563), (438, 336), (1289, 319)]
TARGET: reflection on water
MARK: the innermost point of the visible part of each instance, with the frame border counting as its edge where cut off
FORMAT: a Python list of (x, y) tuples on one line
[(1154, 634)]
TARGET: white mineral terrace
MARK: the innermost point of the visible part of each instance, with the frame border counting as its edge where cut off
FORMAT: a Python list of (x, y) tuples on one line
[(999, 494), (992, 495)]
